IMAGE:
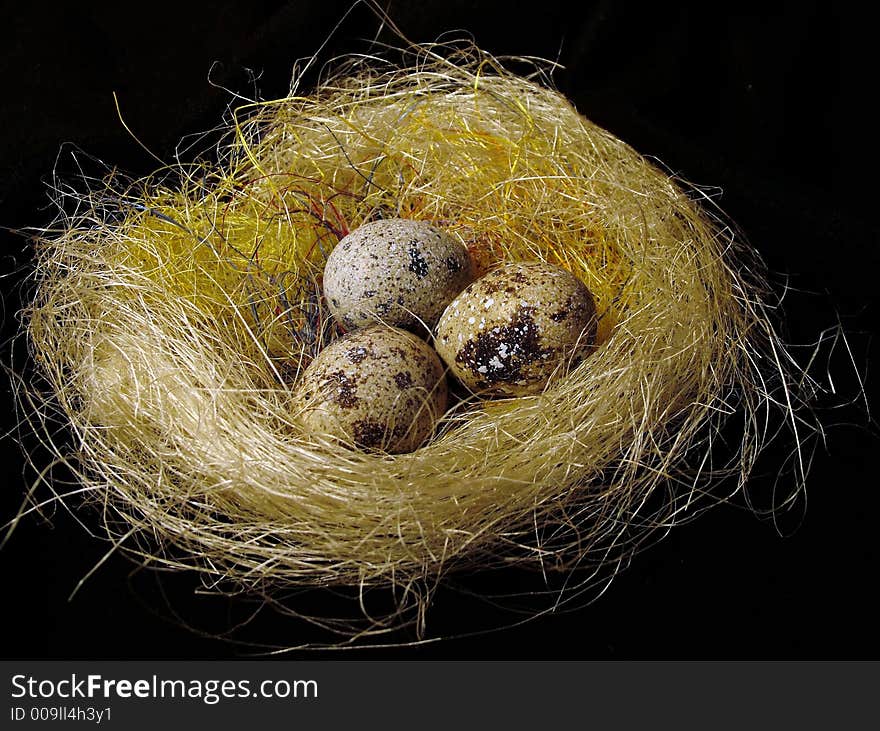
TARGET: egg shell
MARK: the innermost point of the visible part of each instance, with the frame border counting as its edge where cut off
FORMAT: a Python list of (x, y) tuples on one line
[(380, 388), (508, 331), (399, 271)]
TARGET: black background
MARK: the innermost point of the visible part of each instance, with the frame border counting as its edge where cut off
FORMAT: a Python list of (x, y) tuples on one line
[(768, 102)]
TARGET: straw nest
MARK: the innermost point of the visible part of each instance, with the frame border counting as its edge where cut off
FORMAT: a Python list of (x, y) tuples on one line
[(172, 316)]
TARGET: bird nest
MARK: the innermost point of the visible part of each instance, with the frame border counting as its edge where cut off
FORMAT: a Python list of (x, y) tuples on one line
[(172, 317)]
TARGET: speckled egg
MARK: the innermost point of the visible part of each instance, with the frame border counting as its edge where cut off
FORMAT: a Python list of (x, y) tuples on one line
[(380, 388), (509, 330), (399, 271)]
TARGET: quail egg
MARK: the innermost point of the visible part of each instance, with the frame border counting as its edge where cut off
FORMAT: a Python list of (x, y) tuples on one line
[(509, 330), (379, 388), (399, 271)]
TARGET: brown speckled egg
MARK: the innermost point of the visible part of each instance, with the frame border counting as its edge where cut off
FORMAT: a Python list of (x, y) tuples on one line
[(399, 271), (509, 330), (379, 387)]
